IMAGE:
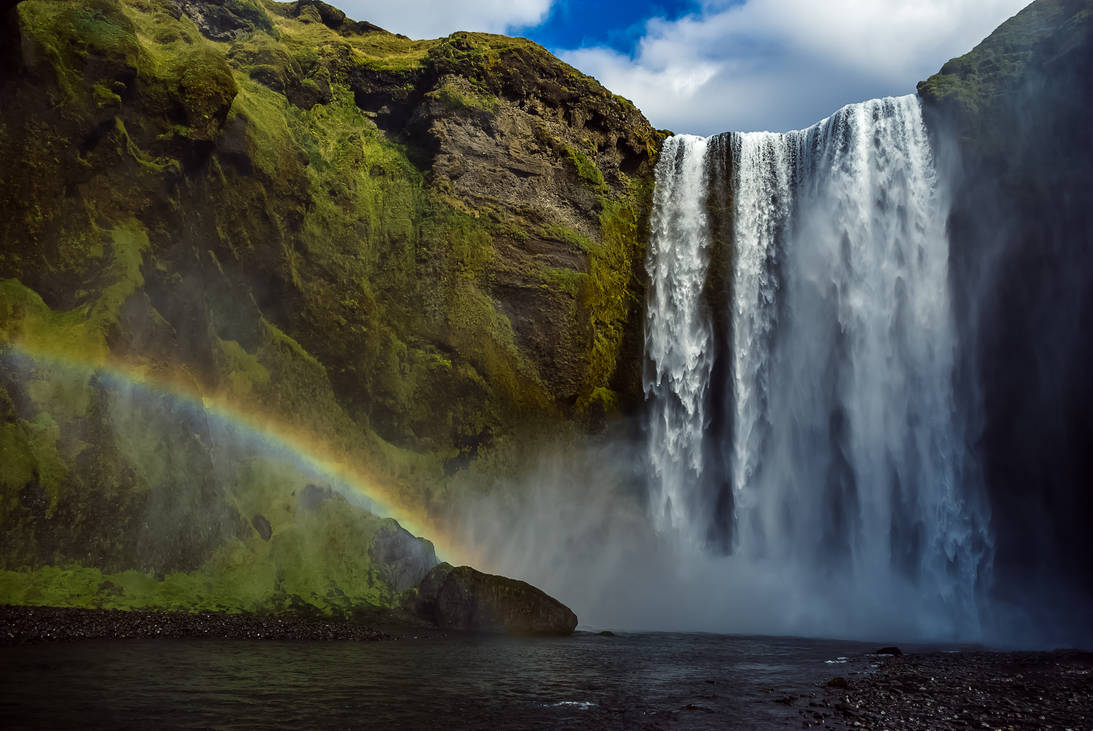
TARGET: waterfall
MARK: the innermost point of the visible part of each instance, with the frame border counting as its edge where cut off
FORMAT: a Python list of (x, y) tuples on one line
[(677, 328), (844, 454)]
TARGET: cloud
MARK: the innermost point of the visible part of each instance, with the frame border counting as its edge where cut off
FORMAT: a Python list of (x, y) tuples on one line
[(785, 64), (437, 18)]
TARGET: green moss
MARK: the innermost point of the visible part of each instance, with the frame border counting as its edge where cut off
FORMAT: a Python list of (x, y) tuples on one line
[(206, 89), (174, 208), (75, 36), (25, 318), (609, 295), (1025, 53), (456, 98), (586, 169), (567, 281), (558, 232)]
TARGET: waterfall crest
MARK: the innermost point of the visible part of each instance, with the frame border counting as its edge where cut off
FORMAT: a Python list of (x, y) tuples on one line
[(845, 451)]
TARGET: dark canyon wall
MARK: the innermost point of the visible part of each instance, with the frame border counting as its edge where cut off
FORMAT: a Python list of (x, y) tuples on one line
[(1012, 120)]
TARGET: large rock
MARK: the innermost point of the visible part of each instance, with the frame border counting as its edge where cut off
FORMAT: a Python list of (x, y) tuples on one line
[(465, 599)]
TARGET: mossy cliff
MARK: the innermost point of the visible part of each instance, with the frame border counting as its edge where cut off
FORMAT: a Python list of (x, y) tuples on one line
[(409, 250), (1011, 121)]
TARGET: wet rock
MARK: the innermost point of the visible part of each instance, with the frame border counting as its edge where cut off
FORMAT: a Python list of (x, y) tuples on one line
[(403, 558), (262, 526), (607, 633), (893, 651), (838, 682), (465, 599)]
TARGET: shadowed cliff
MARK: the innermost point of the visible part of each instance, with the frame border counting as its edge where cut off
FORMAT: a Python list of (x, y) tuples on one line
[(1011, 119)]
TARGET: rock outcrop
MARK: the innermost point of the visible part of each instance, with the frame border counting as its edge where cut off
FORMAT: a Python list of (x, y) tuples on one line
[(1011, 121), (462, 598)]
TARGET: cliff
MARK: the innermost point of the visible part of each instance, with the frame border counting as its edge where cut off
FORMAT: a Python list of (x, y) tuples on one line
[(1011, 120), (405, 250)]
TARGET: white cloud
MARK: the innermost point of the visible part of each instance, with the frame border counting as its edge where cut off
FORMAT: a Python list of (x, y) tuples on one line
[(784, 64), (437, 18)]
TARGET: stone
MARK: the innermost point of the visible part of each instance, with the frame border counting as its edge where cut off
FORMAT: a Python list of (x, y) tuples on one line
[(893, 651), (462, 598)]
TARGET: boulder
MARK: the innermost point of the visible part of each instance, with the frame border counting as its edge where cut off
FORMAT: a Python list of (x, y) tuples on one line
[(462, 598)]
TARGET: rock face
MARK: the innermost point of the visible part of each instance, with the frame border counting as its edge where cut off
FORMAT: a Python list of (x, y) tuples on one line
[(403, 250), (465, 599), (1012, 119), (404, 558)]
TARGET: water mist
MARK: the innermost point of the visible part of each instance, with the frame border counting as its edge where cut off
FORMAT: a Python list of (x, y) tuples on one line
[(854, 505)]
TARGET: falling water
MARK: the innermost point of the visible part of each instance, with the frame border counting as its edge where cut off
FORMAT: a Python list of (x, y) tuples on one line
[(845, 453), (677, 329)]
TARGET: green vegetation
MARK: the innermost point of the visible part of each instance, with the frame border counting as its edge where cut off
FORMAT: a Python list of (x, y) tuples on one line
[(248, 204), (1031, 59)]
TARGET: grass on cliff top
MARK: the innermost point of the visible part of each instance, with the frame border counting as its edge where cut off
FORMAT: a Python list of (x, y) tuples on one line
[(991, 71), (377, 50)]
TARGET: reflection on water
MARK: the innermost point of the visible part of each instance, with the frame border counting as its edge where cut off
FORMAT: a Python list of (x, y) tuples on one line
[(643, 679)]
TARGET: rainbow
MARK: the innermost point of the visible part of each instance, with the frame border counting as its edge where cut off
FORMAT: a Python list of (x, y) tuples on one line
[(273, 432)]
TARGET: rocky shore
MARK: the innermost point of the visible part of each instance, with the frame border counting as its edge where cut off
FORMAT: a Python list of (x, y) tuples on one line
[(19, 625), (997, 690)]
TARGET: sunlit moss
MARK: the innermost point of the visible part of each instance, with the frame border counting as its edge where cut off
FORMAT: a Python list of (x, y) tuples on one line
[(227, 213)]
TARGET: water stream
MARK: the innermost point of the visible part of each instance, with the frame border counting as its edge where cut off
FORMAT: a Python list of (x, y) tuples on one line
[(842, 450)]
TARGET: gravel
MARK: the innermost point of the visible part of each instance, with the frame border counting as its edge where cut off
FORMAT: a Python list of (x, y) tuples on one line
[(997, 690), (20, 625)]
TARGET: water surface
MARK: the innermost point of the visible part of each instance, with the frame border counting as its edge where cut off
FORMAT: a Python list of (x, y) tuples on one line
[(658, 680)]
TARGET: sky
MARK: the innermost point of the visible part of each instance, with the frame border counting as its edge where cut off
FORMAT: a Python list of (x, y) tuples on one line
[(708, 66)]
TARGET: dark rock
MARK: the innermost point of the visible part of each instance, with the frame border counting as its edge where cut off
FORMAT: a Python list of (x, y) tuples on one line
[(310, 92), (360, 27), (404, 559), (225, 20), (607, 633), (312, 496), (838, 682), (465, 599), (893, 651), (261, 524)]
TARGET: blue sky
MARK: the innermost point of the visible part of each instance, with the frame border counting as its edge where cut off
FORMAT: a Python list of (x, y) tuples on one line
[(707, 66), (616, 25)]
